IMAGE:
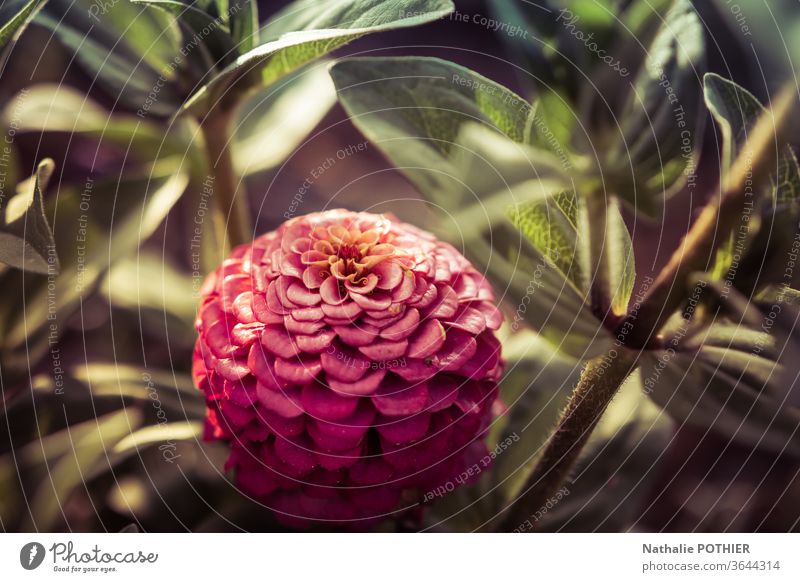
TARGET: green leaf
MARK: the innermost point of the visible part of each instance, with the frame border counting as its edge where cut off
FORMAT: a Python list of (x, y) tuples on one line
[(754, 254), (244, 24), (415, 108), (275, 121), (621, 261), (133, 52), (305, 30), (85, 453), (14, 16), (121, 215), (26, 240), (734, 379), (60, 108), (659, 130), (551, 226)]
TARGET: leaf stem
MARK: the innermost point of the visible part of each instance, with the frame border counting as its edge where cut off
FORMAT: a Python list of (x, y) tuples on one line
[(599, 382), (230, 206)]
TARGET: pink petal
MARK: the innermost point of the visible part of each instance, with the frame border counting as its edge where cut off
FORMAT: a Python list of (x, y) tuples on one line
[(331, 293), (363, 387), (323, 403), (389, 273), (285, 402), (457, 349), (231, 369), (308, 314), (442, 393), (400, 399), (314, 276), (405, 289), (243, 307), (370, 471), (273, 301), (405, 430), (366, 285), (301, 327), (345, 311), (356, 335), (245, 334), (315, 344), (280, 425), (261, 365), (428, 340), (402, 328), (279, 342), (469, 320), (414, 370), (344, 364), (384, 350), (445, 305), (376, 301), (263, 313), (298, 370), (300, 295), (296, 456)]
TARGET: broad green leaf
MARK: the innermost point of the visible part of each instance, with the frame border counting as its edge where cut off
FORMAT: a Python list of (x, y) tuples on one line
[(537, 292), (60, 108), (305, 30), (734, 380), (551, 226), (131, 51), (26, 240), (14, 15), (415, 108), (275, 121), (659, 129)]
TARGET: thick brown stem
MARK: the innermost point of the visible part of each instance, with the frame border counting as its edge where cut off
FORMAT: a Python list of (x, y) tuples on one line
[(600, 381), (230, 203)]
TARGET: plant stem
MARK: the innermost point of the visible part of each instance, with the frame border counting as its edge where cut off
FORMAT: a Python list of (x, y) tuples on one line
[(712, 227), (230, 203), (599, 382)]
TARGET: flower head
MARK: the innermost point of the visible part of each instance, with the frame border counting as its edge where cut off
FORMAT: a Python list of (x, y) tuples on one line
[(350, 361)]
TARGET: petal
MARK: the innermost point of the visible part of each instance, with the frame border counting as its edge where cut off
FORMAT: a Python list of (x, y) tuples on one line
[(285, 402), (400, 399), (366, 285), (428, 340), (457, 349), (384, 350), (323, 403), (405, 430), (357, 334), (344, 364), (375, 301), (231, 369), (405, 289), (345, 311), (445, 305), (243, 307), (469, 320), (298, 370), (263, 313), (331, 293), (402, 328), (301, 327), (301, 295), (315, 344), (232, 287), (279, 342), (314, 276), (261, 364), (297, 456), (442, 393), (390, 274), (364, 387)]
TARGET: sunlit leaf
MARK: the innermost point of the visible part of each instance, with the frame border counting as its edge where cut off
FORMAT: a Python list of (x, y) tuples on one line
[(26, 240)]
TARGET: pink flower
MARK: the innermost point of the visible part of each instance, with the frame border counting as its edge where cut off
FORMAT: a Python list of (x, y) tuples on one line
[(350, 361)]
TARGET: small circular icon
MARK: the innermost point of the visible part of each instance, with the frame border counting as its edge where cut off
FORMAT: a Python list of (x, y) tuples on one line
[(31, 555)]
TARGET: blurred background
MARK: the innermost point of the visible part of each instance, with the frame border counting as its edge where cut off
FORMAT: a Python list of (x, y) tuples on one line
[(101, 425)]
